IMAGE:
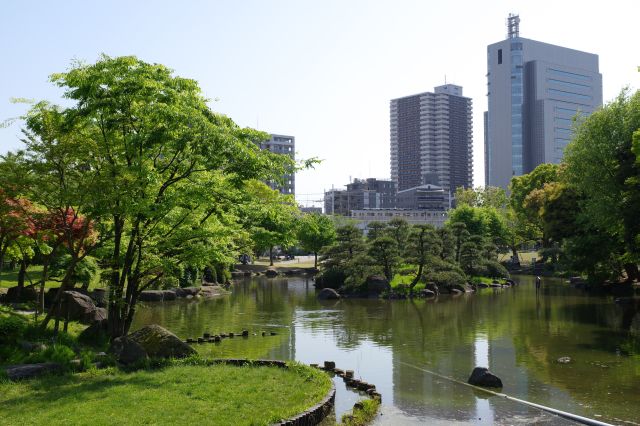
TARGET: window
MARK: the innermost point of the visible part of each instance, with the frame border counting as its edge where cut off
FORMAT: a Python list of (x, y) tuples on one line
[(553, 71), (499, 56)]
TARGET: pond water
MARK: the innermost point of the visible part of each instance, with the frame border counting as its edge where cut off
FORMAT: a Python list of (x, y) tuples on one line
[(398, 345)]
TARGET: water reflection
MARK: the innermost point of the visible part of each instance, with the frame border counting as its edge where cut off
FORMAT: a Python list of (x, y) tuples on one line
[(519, 335)]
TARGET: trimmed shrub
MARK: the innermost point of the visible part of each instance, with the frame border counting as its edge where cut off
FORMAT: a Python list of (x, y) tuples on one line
[(331, 278), (495, 269), (446, 278)]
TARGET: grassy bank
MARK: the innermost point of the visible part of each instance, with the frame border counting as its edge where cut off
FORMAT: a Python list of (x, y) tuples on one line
[(9, 278), (176, 395)]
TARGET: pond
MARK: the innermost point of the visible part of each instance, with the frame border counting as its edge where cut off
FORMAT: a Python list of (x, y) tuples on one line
[(405, 347)]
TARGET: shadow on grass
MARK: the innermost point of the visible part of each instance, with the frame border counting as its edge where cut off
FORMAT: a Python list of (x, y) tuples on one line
[(55, 389)]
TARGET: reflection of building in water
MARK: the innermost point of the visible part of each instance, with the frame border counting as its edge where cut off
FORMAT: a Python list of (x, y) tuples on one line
[(276, 294)]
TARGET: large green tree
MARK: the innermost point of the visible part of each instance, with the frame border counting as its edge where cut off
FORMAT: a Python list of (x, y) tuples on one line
[(150, 166), (316, 231), (605, 174)]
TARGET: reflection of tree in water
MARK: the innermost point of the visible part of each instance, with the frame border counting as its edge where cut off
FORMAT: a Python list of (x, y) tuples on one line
[(525, 335)]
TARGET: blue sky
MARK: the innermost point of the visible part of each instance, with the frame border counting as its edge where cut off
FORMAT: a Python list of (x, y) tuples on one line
[(323, 71)]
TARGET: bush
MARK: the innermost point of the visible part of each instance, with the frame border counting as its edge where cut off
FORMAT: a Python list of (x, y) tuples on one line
[(223, 274), (59, 353), (12, 328), (445, 278), (331, 278), (210, 275), (495, 269)]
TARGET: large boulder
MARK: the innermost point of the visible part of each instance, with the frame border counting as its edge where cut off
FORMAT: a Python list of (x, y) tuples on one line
[(377, 284), (481, 376), (80, 307), (187, 291), (212, 291), (28, 371), (127, 351), (25, 294), (271, 272), (328, 294), (151, 296), (95, 333), (99, 296), (433, 287), (426, 293), (161, 343), (169, 295)]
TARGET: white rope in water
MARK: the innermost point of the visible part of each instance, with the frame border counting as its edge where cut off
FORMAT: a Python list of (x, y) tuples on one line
[(564, 414)]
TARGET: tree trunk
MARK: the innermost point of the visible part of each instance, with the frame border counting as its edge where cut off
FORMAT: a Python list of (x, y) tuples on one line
[(315, 260), (417, 278), (64, 286), (271, 256), (21, 274), (514, 254)]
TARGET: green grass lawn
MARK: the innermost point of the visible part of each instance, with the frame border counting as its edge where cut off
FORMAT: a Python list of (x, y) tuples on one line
[(175, 395), (525, 256), (9, 278)]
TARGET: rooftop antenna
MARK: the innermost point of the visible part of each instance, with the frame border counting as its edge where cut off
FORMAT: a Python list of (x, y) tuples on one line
[(445, 79), (513, 25)]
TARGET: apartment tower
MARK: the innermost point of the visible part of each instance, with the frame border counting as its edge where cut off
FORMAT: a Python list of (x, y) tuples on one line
[(431, 139)]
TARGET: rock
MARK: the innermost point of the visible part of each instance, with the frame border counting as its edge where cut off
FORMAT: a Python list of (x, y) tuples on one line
[(169, 295), (161, 343), (212, 291), (377, 284), (99, 296), (482, 285), (187, 291), (237, 274), (433, 287), (151, 296), (32, 346), (27, 294), (127, 351), (28, 371), (96, 332), (460, 288), (426, 293), (495, 285), (271, 272), (328, 294), (329, 365), (455, 291), (481, 376), (79, 307), (564, 360)]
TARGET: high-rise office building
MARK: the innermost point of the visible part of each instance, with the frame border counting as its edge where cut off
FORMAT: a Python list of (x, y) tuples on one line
[(286, 145), (431, 139), (534, 90)]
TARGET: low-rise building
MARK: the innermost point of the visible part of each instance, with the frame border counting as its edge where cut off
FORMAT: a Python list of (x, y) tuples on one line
[(437, 218), (424, 197), (361, 194)]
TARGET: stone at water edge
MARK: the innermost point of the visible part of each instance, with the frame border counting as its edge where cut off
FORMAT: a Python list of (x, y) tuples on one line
[(328, 294), (564, 360), (161, 343), (481, 376), (271, 272)]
